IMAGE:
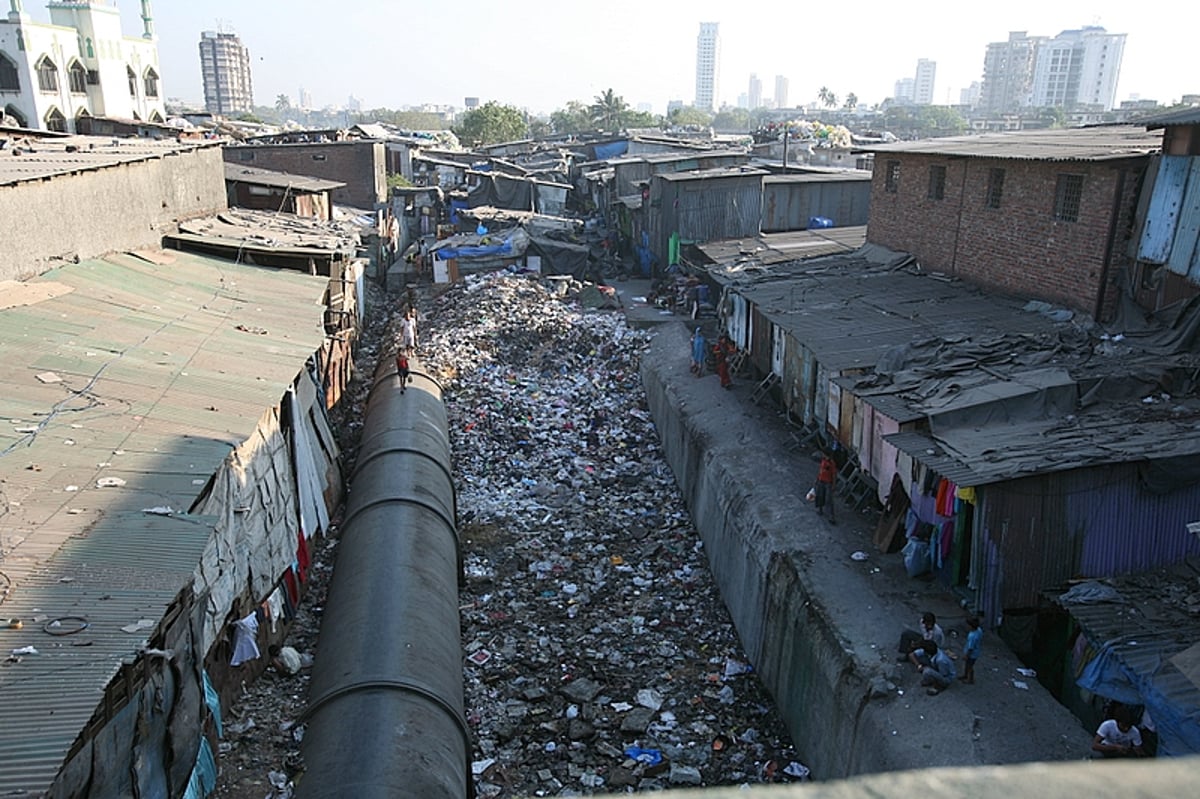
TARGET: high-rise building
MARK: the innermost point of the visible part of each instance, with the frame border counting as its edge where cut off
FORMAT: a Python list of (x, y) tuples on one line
[(1075, 68), (79, 65), (708, 65), (969, 96), (923, 83), (305, 99), (905, 91), (781, 91), (1078, 68), (754, 95), (225, 68), (1008, 73)]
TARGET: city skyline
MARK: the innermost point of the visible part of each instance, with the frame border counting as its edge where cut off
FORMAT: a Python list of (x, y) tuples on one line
[(323, 48)]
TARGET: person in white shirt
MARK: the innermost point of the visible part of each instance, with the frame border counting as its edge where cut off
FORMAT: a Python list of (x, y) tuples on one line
[(1117, 737)]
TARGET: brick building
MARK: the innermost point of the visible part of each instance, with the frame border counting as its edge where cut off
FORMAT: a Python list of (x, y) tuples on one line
[(359, 164), (1046, 215)]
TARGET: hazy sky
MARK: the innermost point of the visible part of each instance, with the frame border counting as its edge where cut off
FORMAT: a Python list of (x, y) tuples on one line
[(539, 54)]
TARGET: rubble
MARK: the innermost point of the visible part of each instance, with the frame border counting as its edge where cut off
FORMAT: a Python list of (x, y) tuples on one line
[(586, 583), (597, 654)]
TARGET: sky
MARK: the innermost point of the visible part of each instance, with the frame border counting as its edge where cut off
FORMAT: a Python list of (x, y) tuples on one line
[(540, 54)]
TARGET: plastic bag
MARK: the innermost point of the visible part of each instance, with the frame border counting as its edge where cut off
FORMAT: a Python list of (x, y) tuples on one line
[(812, 494)]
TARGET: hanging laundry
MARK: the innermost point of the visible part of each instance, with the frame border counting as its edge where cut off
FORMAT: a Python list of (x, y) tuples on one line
[(245, 647)]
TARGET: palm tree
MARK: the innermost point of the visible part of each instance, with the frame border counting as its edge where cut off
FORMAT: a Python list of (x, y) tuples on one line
[(608, 110), (282, 103), (825, 96), (851, 101)]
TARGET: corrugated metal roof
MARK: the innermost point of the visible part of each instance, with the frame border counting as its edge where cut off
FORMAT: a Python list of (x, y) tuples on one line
[(1186, 116), (776, 248), (145, 373), (1067, 144), (28, 159), (830, 176), (283, 180), (265, 231), (1147, 630), (710, 174)]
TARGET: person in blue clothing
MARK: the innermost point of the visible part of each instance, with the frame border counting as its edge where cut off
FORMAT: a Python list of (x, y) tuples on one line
[(939, 674), (699, 353), (971, 650)]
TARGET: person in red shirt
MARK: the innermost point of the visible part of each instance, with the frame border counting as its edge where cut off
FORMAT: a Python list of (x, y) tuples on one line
[(402, 368), (826, 475)]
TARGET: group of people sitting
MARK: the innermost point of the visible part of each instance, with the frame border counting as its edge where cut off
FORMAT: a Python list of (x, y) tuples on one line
[(1125, 732), (927, 651)]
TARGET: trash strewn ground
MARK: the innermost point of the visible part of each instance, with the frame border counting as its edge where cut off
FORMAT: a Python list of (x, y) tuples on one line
[(598, 655)]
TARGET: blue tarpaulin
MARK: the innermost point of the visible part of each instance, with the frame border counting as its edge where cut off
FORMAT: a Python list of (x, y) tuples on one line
[(1110, 675), (475, 251), (611, 150)]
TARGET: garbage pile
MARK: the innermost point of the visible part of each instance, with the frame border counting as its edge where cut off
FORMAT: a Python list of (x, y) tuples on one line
[(599, 656)]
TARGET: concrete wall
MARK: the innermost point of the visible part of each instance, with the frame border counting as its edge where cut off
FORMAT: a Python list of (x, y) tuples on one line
[(90, 213), (361, 165), (1017, 249), (820, 629)]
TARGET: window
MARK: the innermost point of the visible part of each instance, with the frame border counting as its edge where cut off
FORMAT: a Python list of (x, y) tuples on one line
[(11, 111), (10, 81), (77, 77), (1067, 196), (937, 182), (56, 121), (151, 83), (132, 78), (892, 179), (47, 75), (995, 188)]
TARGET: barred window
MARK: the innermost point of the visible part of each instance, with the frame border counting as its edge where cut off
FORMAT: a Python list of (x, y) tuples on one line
[(78, 78), (892, 180), (1067, 197), (937, 182), (10, 81), (995, 188), (47, 74), (151, 82)]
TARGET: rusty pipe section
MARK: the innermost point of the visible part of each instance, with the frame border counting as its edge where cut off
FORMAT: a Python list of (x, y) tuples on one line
[(385, 712)]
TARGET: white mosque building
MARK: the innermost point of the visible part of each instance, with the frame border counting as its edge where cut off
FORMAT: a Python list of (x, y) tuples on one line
[(77, 65)]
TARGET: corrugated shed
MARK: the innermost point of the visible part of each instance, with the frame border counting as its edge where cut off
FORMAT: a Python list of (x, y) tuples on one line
[(1095, 522), (1144, 643), (789, 201), (1105, 143), (146, 376)]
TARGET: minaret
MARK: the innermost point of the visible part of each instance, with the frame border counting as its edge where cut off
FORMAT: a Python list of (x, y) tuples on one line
[(147, 20), (16, 13)]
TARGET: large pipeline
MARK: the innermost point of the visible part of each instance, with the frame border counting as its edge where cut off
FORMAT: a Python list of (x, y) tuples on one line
[(385, 714)]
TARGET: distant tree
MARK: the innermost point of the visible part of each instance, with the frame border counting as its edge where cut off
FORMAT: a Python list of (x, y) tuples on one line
[(575, 118), (640, 119), (940, 120), (607, 110), (539, 127), (851, 101), (1055, 116), (282, 103), (491, 123), (827, 98), (419, 120), (248, 117), (734, 119), (690, 115)]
